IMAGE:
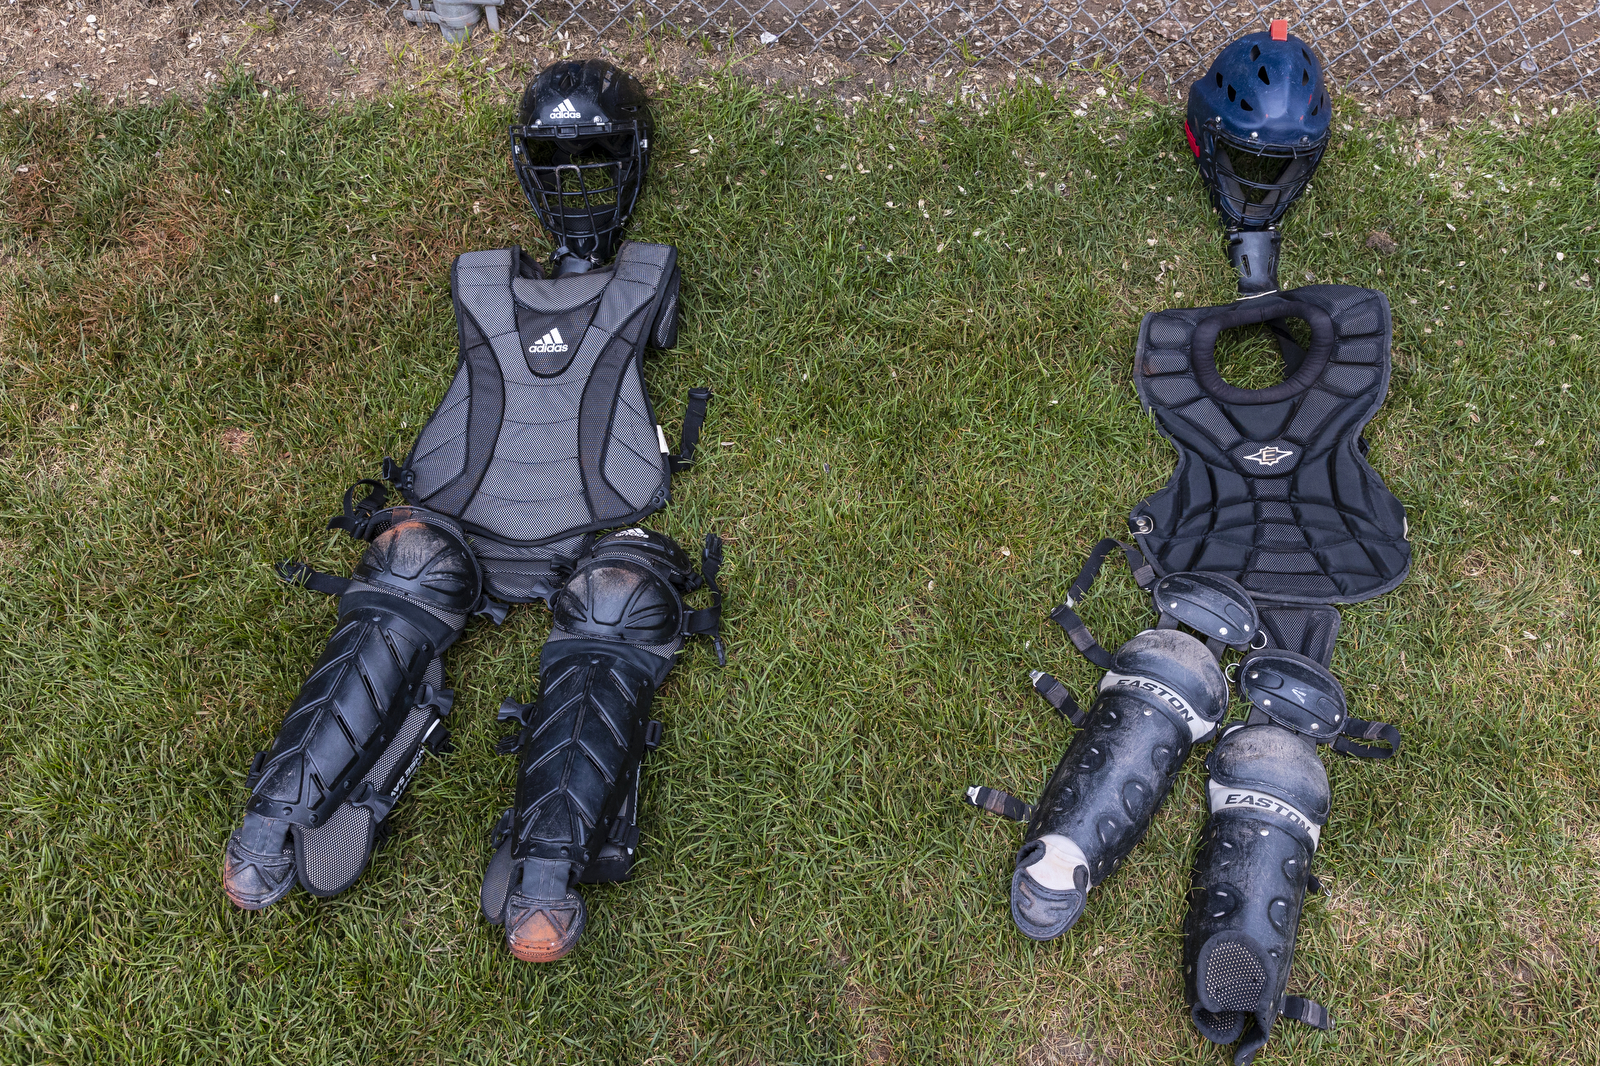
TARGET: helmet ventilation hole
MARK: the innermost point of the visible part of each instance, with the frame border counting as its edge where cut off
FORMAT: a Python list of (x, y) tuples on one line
[(1305, 77), (1232, 96), (1262, 74), (1219, 79), (1255, 52), (1307, 55), (1318, 109), (1246, 105)]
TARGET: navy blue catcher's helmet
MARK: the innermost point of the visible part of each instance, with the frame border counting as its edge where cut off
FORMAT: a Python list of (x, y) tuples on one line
[(581, 149), (1257, 124)]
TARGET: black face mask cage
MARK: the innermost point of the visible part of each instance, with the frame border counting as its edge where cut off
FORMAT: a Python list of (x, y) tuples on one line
[(1254, 184), (582, 188)]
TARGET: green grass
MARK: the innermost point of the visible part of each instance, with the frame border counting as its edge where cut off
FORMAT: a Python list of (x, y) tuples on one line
[(212, 319)]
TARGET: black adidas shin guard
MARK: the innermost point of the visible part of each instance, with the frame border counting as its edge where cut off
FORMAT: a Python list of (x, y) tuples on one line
[(320, 797)]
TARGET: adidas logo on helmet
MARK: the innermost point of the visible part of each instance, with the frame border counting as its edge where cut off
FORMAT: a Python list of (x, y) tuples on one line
[(550, 342), (564, 110)]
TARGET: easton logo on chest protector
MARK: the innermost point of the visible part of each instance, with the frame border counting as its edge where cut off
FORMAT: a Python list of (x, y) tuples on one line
[(1269, 455), (1272, 486)]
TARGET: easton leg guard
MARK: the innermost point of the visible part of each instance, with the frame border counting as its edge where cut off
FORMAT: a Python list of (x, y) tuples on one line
[(620, 624), (1269, 800), (350, 743), (1163, 692)]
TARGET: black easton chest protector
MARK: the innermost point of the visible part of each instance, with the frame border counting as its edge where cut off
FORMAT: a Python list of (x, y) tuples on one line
[(547, 431), (1272, 487)]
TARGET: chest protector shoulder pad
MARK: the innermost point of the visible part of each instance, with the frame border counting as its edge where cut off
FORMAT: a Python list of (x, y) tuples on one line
[(1272, 487), (547, 430)]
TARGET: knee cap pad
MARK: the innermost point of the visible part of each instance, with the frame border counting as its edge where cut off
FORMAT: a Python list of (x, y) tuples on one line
[(355, 733), (1164, 692), (1269, 799)]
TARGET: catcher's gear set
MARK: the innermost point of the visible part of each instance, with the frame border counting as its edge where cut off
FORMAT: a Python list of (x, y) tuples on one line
[(1162, 693), (375, 699), (1271, 499), (581, 149), (545, 437), (620, 625)]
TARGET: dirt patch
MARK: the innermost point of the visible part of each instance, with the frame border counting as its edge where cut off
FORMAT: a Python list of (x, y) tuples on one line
[(1065, 1041), (125, 51), (237, 441), (876, 1046)]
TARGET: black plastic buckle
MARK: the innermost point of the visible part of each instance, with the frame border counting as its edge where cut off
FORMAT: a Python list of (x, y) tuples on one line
[(653, 732), (253, 777)]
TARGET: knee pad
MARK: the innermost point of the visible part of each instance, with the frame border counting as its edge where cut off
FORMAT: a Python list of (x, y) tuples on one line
[(620, 624), (1269, 799), (321, 796)]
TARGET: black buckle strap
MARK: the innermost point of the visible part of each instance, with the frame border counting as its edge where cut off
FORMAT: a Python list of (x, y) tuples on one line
[(303, 575), (1359, 727), (1058, 696), (653, 732), (694, 416), (995, 801), (1068, 619), (709, 619), (502, 828), (257, 764), (357, 515), (1306, 1012)]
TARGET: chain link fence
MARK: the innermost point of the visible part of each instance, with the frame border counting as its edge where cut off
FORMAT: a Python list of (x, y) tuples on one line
[(1422, 47)]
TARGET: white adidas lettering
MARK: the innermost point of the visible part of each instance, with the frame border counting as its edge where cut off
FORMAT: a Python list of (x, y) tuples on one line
[(564, 110), (550, 342)]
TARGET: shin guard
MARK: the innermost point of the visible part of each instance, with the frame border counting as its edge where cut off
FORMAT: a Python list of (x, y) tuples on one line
[(1163, 692), (321, 796), (620, 624), (1269, 800)]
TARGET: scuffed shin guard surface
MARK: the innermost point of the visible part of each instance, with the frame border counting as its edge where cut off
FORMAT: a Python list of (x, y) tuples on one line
[(540, 930), (255, 880)]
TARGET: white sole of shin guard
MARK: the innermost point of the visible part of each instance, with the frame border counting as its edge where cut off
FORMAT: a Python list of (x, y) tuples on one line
[(1049, 893)]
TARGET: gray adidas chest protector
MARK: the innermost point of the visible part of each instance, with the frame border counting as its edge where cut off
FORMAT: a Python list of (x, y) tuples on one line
[(547, 431)]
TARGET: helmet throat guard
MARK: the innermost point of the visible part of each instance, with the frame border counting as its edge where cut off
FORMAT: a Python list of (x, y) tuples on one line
[(581, 152)]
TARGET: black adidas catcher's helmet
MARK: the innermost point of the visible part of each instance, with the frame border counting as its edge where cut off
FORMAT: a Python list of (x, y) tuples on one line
[(1258, 123), (580, 151)]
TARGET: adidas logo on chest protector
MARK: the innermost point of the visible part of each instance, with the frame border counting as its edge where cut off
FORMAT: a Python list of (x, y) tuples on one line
[(550, 342)]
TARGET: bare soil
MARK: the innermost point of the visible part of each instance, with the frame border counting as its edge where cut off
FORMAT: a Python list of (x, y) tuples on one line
[(128, 52)]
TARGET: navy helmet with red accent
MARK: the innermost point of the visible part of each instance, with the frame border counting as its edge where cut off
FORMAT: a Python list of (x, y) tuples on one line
[(1258, 122)]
